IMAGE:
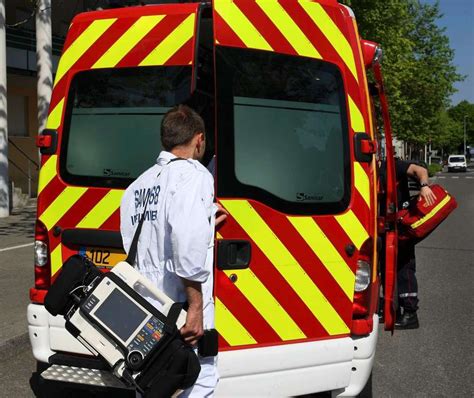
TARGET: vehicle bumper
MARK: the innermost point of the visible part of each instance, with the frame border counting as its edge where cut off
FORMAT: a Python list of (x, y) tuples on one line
[(341, 365), (364, 354), (48, 335)]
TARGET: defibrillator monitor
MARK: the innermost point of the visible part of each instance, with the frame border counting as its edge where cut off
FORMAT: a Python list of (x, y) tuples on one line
[(133, 327), (122, 316), (118, 320)]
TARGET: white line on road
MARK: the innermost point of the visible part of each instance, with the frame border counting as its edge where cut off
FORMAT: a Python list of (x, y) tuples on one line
[(454, 177), (441, 177), (16, 247), (469, 177)]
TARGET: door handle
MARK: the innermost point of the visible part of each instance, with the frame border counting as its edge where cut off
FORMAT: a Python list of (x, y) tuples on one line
[(233, 254)]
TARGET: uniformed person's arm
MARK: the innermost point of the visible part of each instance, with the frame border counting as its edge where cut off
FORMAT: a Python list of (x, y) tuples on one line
[(190, 229), (421, 174), (188, 219), (193, 330)]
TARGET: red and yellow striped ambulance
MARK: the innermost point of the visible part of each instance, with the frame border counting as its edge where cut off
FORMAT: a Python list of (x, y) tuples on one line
[(282, 87)]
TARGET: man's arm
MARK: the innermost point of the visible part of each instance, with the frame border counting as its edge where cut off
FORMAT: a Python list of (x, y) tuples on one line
[(421, 174), (190, 235), (193, 329)]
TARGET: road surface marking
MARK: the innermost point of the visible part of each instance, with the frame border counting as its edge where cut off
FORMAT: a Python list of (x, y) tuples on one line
[(454, 177), (441, 177), (469, 177), (16, 247)]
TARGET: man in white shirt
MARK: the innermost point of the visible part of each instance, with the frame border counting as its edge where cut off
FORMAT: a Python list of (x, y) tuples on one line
[(175, 248)]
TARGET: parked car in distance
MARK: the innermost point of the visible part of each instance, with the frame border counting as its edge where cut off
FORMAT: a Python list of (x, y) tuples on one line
[(457, 162)]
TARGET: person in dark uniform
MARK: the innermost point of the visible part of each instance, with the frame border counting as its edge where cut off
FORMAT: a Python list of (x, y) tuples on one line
[(406, 264)]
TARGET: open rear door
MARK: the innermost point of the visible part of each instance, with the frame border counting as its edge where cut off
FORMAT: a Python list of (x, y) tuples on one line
[(391, 237)]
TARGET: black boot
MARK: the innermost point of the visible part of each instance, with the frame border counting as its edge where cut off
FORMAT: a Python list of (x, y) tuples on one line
[(409, 320)]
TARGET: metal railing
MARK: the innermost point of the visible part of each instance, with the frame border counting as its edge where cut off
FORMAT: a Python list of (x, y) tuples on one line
[(26, 40), (30, 162)]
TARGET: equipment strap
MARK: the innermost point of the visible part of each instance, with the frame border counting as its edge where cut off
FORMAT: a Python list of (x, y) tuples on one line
[(132, 253), (173, 313)]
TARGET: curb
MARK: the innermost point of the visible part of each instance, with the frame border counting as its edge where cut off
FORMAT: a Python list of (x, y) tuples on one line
[(14, 345)]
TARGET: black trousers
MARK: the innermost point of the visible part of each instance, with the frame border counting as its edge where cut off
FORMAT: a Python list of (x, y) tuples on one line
[(406, 277)]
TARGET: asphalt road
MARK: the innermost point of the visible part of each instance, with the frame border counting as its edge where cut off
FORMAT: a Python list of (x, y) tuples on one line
[(433, 361), (437, 359)]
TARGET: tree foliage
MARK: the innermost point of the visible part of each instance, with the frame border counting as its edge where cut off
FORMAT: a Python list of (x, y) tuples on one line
[(418, 66), (464, 110)]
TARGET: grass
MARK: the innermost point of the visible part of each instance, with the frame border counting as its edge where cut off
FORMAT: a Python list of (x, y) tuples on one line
[(434, 168)]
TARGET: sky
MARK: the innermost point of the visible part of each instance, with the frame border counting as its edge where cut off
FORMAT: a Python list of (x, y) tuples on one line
[(458, 20)]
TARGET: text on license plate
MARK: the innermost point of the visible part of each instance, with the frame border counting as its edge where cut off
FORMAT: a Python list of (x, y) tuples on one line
[(103, 257)]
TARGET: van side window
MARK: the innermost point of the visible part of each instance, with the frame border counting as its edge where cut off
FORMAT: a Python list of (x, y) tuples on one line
[(112, 127), (283, 134)]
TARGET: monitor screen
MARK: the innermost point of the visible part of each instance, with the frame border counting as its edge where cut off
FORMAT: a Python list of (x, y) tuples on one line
[(120, 314)]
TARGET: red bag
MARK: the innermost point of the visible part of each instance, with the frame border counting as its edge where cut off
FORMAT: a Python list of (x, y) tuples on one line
[(419, 220)]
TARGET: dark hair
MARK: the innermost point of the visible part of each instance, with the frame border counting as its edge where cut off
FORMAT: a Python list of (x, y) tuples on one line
[(179, 126)]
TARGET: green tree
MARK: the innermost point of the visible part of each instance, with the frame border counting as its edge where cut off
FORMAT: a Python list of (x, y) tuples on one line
[(418, 63), (457, 113), (390, 24), (447, 133), (434, 74)]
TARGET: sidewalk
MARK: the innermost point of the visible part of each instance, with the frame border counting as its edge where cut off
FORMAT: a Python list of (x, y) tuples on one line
[(16, 276), (19, 227)]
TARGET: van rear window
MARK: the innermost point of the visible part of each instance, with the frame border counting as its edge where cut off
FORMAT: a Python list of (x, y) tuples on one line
[(283, 134), (112, 128)]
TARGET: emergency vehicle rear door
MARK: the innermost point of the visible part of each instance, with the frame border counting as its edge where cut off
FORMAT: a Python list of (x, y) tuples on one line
[(288, 105), (120, 71)]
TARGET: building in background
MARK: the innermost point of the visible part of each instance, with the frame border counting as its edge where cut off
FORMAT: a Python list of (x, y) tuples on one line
[(22, 80)]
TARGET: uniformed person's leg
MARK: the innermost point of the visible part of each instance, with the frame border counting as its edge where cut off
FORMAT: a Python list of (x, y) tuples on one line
[(206, 382), (407, 287)]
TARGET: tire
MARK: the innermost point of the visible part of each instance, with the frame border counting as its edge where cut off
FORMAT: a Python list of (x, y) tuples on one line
[(367, 391)]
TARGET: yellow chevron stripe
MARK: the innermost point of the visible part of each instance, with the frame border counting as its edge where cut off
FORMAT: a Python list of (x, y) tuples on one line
[(267, 306), (81, 45), (171, 44), (47, 172), (326, 252), (286, 265), (263, 301), (289, 28), (361, 181), (325, 23), (353, 227), (241, 25), (432, 213), (357, 120), (364, 78), (129, 40), (54, 118), (230, 328), (61, 205), (56, 259), (103, 210)]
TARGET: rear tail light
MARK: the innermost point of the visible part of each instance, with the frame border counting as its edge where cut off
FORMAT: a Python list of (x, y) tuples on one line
[(363, 291), (42, 258), (41, 253), (363, 276)]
